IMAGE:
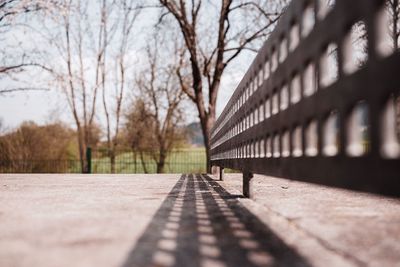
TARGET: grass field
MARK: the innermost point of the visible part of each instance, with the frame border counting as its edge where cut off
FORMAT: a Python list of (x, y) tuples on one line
[(190, 160)]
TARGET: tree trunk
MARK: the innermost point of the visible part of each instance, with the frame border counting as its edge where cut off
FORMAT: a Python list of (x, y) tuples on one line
[(207, 123), (82, 159), (82, 151), (112, 160), (143, 163), (135, 161), (161, 162)]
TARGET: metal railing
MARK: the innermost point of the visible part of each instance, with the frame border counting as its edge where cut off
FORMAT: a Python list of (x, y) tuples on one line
[(320, 101)]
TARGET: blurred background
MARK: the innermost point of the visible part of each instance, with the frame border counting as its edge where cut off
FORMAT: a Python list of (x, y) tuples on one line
[(138, 82), (130, 86)]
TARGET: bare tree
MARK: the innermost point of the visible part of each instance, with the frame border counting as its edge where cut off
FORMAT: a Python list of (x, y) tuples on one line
[(128, 15), (160, 90), (235, 27), (154, 124), (139, 131), (79, 41), (88, 59), (12, 64)]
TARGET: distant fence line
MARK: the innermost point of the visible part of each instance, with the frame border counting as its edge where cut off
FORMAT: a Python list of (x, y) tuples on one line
[(127, 161)]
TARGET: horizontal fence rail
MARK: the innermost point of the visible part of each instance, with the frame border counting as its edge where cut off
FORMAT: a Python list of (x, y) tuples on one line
[(320, 103)]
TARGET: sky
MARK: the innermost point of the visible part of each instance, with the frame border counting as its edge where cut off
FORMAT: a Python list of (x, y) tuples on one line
[(24, 106), (48, 106)]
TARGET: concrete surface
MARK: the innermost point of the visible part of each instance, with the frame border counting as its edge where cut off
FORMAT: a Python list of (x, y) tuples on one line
[(191, 220), (359, 228)]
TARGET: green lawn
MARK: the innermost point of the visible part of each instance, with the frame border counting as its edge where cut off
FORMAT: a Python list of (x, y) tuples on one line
[(189, 160)]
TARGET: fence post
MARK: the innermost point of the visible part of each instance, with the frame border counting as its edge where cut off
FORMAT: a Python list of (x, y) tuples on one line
[(221, 173), (247, 184), (89, 160)]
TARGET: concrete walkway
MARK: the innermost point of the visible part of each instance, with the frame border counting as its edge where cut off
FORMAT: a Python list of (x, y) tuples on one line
[(190, 220)]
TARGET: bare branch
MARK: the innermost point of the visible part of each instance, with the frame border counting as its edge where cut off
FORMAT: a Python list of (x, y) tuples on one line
[(21, 89), (254, 36)]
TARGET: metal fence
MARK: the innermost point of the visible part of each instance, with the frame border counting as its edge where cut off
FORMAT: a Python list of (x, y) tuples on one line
[(177, 161), (40, 166), (320, 103), (126, 161)]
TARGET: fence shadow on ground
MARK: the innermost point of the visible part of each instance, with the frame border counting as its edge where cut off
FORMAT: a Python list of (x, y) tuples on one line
[(201, 224)]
